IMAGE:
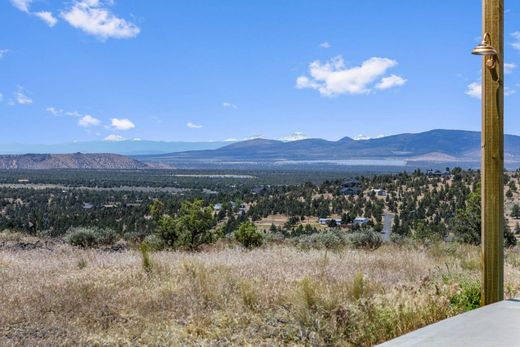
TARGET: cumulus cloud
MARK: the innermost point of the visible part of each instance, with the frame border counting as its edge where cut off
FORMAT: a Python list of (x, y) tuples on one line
[(122, 124), (516, 42), (325, 45), (193, 125), (115, 138), (334, 78), (47, 17), (21, 98), (390, 82), (296, 136), (88, 121), (229, 105), (475, 90), (22, 5), (92, 17)]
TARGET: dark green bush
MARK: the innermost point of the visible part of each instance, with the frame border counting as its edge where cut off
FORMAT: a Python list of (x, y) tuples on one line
[(87, 237), (82, 237), (248, 236), (366, 239), (190, 229)]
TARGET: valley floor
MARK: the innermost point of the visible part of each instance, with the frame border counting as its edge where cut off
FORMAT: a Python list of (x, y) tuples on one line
[(279, 295)]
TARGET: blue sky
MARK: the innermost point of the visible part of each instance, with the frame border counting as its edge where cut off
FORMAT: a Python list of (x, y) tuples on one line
[(198, 70)]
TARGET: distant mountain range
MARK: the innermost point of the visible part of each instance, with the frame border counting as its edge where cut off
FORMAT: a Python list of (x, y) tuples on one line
[(435, 146), (426, 149), (130, 147), (69, 161)]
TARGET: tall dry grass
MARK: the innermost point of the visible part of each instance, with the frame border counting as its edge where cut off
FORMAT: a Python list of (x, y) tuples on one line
[(272, 296)]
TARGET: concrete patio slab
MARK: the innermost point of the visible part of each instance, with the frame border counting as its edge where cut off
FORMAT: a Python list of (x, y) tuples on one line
[(493, 325)]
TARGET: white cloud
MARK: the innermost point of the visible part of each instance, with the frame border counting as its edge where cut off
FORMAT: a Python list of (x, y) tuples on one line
[(193, 125), (1, 97), (231, 139), (93, 18), (509, 67), (297, 136), (21, 98), (334, 78), (47, 17), (362, 137), (325, 45), (115, 138), (88, 121), (73, 114), (122, 124), (3, 52), (229, 105), (516, 43), (390, 82), (475, 90), (22, 5), (55, 111)]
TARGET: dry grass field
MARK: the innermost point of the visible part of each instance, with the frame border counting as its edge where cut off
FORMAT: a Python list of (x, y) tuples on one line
[(276, 295)]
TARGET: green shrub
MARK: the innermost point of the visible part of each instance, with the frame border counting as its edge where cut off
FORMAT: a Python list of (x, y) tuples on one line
[(190, 229), (365, 239), (106, 236), (87, 237), (334, 239), (134, 236), (82, 237), (154, 243), (467, 296), (248, 236)]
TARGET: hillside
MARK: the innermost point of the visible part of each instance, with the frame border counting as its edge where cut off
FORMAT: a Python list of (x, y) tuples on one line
[(69, 161), (129, 147), (430, 146)]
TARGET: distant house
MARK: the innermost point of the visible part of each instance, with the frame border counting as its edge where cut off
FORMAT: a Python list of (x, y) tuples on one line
[(439, 173), (326, 221), (360, 220), (217, 207), (87, 206), (350, 191), (380, 192), (23, 180)]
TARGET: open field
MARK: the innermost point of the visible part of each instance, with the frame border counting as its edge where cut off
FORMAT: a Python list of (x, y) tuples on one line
[(60, 295)]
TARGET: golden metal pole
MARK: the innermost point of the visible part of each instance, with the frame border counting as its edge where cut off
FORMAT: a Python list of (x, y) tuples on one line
[(492, 256)]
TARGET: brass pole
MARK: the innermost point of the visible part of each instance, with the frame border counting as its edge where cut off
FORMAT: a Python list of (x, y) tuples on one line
[(492, 256)]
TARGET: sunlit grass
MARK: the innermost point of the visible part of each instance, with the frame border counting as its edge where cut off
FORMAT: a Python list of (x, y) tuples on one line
[(272, 296)]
